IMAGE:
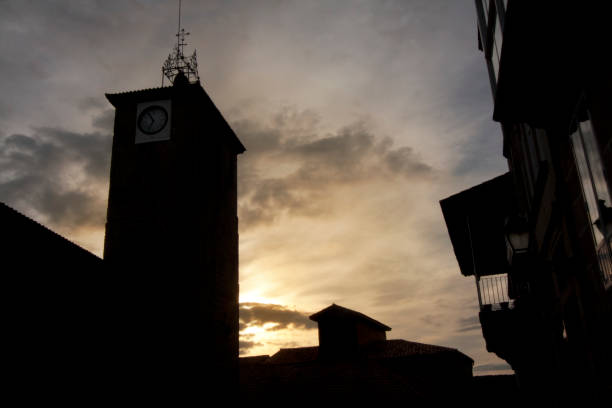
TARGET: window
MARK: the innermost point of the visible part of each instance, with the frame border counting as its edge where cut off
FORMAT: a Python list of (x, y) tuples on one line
[(595, 190), (541, 138), (497, 43), (493, 36), (491, 16), (532, 152)]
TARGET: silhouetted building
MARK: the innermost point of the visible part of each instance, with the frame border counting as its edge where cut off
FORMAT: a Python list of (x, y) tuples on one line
[(342, 331), (52, 314), (539, 239), (172, 229), (355, 362), (158, 317)]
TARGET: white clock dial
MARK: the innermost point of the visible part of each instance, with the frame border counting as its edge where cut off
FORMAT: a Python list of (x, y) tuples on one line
[(153, 119)]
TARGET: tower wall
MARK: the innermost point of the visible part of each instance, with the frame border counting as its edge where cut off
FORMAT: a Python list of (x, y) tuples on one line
[(172, 240)]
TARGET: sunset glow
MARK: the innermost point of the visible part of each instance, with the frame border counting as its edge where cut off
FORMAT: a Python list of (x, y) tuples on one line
[(357, 117)]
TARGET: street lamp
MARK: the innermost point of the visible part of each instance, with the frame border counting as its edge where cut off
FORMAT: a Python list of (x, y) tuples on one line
[(517, 237)]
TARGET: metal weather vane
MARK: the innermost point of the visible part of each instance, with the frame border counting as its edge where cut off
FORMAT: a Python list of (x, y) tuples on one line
[(177, 62)]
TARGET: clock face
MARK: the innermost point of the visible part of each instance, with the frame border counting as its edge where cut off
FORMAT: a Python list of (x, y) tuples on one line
[(152, 119)]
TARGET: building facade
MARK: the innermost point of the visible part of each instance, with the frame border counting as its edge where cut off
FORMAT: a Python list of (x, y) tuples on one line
[(541, 246)]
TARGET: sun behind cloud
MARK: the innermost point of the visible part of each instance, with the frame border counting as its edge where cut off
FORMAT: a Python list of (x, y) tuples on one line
[(265, 327)]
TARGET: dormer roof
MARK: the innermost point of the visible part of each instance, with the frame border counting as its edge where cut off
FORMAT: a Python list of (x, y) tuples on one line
[(339, 313)]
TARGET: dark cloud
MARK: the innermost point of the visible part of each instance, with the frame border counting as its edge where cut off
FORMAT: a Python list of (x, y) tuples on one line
[(435, 320), (469, 328), (92, 102), (290, 168), (492, 367), (258, 314), (468, 321), (404, 160), (105, 120), (57, 173), (467, 324), (286, 344), (245, 345)]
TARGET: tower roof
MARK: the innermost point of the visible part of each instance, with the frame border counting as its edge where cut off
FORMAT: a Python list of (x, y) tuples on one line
[(181, 90)]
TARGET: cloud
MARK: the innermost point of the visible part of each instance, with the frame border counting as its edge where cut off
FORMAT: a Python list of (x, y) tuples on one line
[(469, 328), (326, 199), (468, 324), (59, 174), (258, 314), (245, 345), (105, 120), (293, 169), (492, 367), (265, 327), (436, 320), (89, 102)]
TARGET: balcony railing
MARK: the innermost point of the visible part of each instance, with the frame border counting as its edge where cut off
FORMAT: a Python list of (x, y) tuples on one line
[(604, 254), (493, 292)]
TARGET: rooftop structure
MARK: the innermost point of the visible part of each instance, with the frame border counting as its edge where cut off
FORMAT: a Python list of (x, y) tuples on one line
[(355, 362), (177, 63)]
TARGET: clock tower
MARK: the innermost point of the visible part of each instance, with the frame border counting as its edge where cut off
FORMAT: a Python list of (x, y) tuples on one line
[(172, 233)]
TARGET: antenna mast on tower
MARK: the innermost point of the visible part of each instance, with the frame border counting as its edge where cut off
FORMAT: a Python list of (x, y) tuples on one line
[(177, 62)]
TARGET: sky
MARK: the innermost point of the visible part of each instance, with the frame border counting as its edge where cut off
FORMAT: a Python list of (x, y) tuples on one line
[(358, 117)]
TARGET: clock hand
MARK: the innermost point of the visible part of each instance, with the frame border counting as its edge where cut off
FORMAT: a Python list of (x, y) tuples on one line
[(151, 116)]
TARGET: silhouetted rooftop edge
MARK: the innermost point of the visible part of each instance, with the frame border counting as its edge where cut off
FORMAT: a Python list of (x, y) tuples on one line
[(378, 350), (7, 213), (475, 222), (338, 312)]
